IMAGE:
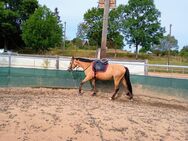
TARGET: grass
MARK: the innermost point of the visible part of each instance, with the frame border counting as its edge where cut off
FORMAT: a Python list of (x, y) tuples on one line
[(119, 54), (168, 70), (174, 60)]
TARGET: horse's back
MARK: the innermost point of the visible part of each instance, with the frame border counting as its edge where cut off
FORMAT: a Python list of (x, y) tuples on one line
[(113, 70), (117, 68)]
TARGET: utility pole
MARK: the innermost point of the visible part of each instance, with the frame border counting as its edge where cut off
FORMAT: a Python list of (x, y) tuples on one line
[(105, 28), (169, 44), (64, 34)]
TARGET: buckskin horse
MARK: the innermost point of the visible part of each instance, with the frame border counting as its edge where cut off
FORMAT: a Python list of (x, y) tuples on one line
[(117, 72)]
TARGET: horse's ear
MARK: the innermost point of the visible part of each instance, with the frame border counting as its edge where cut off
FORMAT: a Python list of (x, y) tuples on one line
[(72, 57)]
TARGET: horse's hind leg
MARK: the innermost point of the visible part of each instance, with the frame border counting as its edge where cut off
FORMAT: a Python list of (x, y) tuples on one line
[(93, 82), (116, 87), (126, 89), (114, 94)]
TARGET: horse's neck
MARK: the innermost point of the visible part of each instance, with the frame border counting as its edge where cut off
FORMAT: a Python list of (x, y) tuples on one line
[(84, 65)]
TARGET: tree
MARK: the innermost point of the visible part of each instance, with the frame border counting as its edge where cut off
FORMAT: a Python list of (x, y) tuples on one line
[(77, 42), (82, 31), (7, 25), (56, 13), (184, 51), (167, 44), (12, 15), (141, 25), (42, 31), (93, 25), (91, 28), (115, 38)]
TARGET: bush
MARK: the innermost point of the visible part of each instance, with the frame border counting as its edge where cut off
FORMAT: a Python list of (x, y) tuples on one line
[(42, 30)]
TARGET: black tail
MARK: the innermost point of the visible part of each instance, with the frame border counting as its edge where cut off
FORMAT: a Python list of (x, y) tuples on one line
[(127, 78)]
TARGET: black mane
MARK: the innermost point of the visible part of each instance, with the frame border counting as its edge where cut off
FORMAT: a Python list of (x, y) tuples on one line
[(84, 60)]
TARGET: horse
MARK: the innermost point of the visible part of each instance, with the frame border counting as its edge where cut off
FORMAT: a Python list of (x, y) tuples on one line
[(117, 72)]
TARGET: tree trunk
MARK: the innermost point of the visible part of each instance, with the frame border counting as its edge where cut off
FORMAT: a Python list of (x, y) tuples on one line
[(115, 52), (136, 52), (5, 44)]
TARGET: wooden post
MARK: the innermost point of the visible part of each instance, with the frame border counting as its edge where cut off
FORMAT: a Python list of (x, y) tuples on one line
[(57, 62), (105, 28), (146, 67), (9, 60), (169, 45), (64, 36)]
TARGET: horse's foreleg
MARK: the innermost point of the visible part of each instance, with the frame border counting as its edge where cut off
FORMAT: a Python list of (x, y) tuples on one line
[(83, 81), (80, 88)]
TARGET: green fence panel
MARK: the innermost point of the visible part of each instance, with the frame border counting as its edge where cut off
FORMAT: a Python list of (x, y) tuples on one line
[(160, 82), (169, 86), (25, 77)]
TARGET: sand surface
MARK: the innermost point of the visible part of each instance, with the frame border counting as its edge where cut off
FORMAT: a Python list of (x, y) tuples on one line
[(42, 114)]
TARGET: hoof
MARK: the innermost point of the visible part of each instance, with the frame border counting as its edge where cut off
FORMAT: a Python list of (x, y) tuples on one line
[(111, 98), (79, 94), (128, 94), (93, 94), (131, 98)]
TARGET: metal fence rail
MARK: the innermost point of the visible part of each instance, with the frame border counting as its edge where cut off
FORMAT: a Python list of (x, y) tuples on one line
[(167, 68), (60, 62), (140, 67)]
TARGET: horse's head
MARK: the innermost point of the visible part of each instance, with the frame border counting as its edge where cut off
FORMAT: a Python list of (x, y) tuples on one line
[(73, 64)]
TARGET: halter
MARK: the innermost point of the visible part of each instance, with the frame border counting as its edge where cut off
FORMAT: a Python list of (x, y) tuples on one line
[(84, 69)]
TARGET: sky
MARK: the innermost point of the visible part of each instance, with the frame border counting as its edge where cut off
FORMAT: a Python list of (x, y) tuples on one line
[(172, 12)]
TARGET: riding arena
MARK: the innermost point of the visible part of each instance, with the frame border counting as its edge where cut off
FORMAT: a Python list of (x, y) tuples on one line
[(40, 100)]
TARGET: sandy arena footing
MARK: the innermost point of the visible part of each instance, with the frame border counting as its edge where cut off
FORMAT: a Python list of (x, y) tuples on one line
[(28, 114)]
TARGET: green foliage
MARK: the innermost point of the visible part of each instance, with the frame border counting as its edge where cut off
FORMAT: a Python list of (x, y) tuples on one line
[(115, 39), (42, 31), (92, 25), (167, 43), (27, 8), (91, 28), (12, 14), (6, 20), (56, 13), (138, 23), (184, 51), (77, 42), (141, 25), (82, 31)]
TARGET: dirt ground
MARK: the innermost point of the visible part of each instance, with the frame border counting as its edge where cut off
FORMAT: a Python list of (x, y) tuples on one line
[(41, 114)]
